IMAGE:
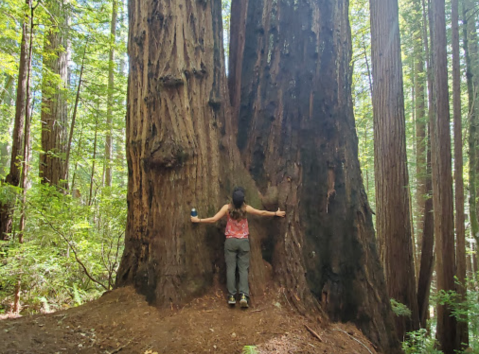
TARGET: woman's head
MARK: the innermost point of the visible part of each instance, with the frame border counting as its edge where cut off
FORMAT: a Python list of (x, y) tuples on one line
[(238, 209), (238, 197)]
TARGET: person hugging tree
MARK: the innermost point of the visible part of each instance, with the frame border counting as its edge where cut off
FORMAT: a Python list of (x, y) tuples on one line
[(237, 242)]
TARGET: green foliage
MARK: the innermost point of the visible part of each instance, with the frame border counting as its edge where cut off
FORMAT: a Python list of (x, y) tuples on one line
[(249, 349), (420, 342), (400, 309), (71, 251)]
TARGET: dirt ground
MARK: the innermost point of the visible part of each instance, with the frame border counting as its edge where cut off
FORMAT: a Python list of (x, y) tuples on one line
[(123, 322)]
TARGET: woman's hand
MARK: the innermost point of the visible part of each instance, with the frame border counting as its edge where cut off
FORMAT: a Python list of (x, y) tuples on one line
[(195, 219), (280, 213)]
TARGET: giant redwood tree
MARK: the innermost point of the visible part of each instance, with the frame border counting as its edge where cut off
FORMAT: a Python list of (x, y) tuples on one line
[(393, 221), (298, 149)]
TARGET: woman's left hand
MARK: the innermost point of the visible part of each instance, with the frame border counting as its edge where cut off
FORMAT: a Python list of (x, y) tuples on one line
[(195, 219)]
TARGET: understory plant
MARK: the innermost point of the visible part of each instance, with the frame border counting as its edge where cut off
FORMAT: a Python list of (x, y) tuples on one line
[(70, 253)]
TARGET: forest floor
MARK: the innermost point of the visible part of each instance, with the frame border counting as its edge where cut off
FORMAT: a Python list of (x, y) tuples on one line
[(121, 321)]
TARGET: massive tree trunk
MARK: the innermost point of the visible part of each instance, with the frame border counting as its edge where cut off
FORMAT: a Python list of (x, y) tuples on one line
[(54, 97), (442, 180), (462, 330), (297, 136), (13, 178), (393, 222), (182, 153), (111, 88)]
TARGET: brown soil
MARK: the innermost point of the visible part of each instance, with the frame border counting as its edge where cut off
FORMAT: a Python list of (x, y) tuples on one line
[(122, 322)]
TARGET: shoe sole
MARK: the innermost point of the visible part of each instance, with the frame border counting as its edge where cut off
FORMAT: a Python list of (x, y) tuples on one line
[(231, 303), (244, 304)]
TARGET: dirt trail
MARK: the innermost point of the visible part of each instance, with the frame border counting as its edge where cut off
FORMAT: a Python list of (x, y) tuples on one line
[(122, 322)]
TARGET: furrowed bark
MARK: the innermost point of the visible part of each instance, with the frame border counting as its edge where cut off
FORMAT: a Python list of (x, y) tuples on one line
[(442, 180), (54, 97), (393, 221), (181, 153), (462, 328), (297, 137)]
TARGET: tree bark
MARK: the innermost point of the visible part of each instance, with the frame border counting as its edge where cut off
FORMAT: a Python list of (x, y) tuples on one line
[(181, 153), (13, 178), (393, 222), (54, 97), (297, 137), (111, 88), (421, 126), (427, 247), (239, 9), (75, 109), (462, 329), (442, 180), (26, 139), (472, 58)]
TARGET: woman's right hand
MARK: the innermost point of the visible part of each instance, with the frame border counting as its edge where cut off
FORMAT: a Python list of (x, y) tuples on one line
[(280, 213), (195, 219)]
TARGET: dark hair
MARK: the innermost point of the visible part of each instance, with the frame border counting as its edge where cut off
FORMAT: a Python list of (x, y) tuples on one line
[(238, 207)]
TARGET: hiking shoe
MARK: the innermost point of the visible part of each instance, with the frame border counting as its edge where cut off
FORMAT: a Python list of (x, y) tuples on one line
[(231, 300), (244, 301)]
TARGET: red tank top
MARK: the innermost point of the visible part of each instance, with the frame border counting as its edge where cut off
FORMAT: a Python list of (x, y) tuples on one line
[(236, 228)]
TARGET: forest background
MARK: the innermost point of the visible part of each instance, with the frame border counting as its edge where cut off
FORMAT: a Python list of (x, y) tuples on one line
[(66, 236)]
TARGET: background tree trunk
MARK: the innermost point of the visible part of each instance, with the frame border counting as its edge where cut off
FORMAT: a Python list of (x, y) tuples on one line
[(427, 247), (297, 136), (54, 97), (462, 330), (393, 222), (442, 180), (421, 128), (13, 178), (111, 88)]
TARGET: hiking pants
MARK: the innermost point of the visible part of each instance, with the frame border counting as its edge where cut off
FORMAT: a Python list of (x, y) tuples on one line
[(237, 254)]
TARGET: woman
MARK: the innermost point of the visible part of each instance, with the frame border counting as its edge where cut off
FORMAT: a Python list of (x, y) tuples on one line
[(237, 242)]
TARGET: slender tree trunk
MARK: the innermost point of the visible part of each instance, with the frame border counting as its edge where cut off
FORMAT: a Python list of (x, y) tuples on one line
[(393, 222), (111, 89), (421, 126), (74, 116), (92, 177), (462, 330), (13, 178), (26, 139), (442, 180), (427, 247), (472, 67), (6, 89), (54, 97)]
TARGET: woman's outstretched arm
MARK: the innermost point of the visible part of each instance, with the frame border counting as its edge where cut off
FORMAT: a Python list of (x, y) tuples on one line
[(212, 220), (251, 210)]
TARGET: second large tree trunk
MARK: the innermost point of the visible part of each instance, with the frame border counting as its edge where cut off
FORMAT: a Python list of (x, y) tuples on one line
[(296, 132)]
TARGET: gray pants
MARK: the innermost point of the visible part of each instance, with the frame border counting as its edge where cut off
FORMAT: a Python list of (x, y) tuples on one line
[(237, 253)]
